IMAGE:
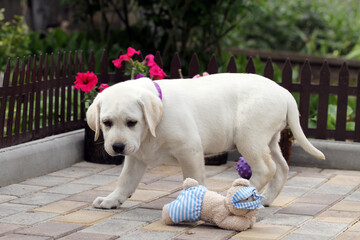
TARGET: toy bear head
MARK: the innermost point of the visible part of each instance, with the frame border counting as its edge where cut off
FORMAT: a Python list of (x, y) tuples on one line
[(241, 198)]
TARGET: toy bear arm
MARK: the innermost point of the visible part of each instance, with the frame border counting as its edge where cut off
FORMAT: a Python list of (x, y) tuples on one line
[(189, 182)]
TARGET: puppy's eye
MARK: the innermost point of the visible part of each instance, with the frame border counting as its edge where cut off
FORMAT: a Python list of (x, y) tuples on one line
[(131, 123), (107, 123)]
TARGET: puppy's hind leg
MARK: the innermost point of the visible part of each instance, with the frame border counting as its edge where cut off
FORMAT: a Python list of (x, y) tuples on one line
[(257, 154), (282, 169)]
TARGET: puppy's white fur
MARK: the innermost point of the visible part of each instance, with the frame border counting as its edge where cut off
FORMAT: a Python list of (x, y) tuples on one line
[(197, 117)]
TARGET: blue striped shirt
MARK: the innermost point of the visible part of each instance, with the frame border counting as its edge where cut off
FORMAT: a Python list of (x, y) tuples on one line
[(187, 206)]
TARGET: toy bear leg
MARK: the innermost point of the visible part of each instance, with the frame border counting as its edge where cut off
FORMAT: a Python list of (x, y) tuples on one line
[(236, 223)]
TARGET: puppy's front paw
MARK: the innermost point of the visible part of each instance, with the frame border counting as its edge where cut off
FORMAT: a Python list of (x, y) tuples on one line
[(106, 203)]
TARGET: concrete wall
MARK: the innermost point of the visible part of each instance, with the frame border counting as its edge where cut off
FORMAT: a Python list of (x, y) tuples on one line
[(40, 157)]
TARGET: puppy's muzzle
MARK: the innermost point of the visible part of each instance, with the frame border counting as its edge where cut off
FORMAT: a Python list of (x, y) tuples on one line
[(118, 148)]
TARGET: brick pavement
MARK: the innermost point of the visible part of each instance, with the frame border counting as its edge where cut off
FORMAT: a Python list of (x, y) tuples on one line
[(314, 204)]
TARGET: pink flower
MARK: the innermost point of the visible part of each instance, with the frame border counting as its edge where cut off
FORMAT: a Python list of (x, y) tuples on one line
[(85, 81), (125, 57), (102, 87), (131, 51), (156, 72), (150, 60), (198, 75)]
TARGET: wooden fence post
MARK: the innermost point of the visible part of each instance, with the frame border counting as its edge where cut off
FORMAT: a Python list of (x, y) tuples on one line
[(305, 78), (342, 103), (323, 101), (194, 66)]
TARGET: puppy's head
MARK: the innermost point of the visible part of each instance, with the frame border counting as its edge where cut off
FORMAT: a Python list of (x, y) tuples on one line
[(125, 113)]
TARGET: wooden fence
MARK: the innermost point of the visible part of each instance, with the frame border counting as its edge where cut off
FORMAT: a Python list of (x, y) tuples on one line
[(37, 98)]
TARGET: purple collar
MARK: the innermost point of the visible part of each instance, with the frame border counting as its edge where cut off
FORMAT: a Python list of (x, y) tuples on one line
[(158, 89)]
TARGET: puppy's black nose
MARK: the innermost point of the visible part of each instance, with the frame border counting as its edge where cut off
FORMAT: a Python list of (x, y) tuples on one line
[(118, 147)]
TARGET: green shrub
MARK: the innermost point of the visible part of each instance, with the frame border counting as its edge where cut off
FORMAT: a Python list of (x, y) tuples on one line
[(14, 40)]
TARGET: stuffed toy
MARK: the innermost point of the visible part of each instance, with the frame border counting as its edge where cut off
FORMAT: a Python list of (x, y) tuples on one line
[(237, 211)]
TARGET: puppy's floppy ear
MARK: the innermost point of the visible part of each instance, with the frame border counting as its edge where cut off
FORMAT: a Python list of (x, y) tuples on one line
[(93, 117), (152, 109)]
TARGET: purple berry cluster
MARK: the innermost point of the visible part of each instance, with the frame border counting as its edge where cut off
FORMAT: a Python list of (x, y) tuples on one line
[(243, 168)]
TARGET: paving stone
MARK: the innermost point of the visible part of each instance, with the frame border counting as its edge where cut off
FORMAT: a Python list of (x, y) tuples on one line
[(283, 201), (147, 195), (308, 209), (124, 207), (23, 237), (176, 178), (97, 166), (74, 172), (114, 226), (108, 187), (305, 182), (115, 171), (174, 195), (348, 236), (300, 169), (88, 236), (47, 181), (140, 214), (266, 212), (69, 188), (7, 228), (298, 236), (40, 199), (285, 219), (147, 235), (19, 189), (345, 180), (321, 228), (264, 231), (218, 185), (97, 179), (162, 185), (315, 198), (355, 196), (6, 198), (159, 227), (88, 196), (341, 217), (341, 172), (315, 175), (84, 217), (355, 227), (157, 204), (149, 177), (291, 174), (333, 189), (226, 175), (7, 209), (51, 229), (293, 191), (62, 207), (204, 233), (213, 170), (28, 218), (350, 206), (166, 170)]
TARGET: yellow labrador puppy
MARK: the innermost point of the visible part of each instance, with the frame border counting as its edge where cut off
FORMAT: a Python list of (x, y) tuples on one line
[(183, 120)]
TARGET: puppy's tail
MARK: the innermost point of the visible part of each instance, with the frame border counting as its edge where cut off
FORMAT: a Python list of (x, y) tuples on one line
[(294, 123)]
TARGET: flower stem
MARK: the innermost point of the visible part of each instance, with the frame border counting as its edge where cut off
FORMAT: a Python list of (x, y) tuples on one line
[(132, 72)]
